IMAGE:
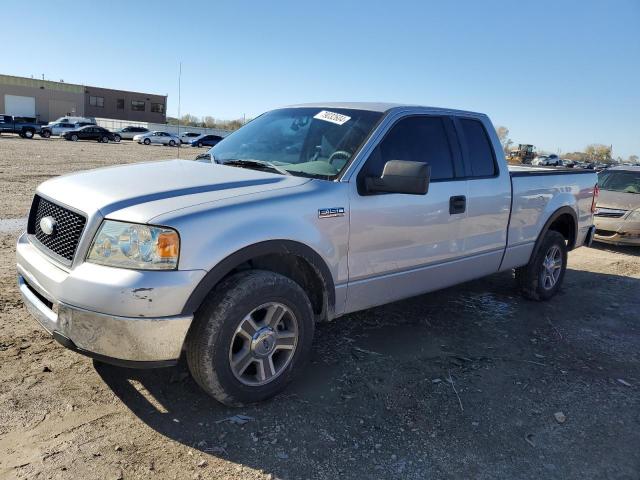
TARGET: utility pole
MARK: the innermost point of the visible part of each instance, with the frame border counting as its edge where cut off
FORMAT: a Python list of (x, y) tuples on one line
[(179, 100)]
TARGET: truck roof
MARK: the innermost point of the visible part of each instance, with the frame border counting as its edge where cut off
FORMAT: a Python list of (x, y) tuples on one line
[(380, 107)]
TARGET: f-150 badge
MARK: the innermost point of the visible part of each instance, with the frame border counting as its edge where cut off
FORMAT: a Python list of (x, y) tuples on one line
[(331, 212)]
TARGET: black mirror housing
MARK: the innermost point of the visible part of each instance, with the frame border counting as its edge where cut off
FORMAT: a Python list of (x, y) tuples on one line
[(401, 176)]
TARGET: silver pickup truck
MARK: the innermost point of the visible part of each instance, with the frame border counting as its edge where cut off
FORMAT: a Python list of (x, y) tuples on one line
[(305, 214)]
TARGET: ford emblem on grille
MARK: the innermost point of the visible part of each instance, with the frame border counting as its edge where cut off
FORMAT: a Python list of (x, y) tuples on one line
[(48, 225)]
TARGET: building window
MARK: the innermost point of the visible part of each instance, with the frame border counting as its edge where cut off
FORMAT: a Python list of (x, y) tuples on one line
[(120, 103), (137, 106), (157, 107), (96, 101)]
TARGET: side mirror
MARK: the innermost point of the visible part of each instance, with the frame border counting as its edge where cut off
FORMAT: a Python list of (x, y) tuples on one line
[(401, 176), (204, 157)]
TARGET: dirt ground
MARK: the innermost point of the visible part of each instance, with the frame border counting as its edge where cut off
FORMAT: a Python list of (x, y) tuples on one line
[(470, 382), (26, 163)]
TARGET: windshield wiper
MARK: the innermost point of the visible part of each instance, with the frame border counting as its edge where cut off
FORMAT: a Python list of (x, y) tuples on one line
[(257, 164)]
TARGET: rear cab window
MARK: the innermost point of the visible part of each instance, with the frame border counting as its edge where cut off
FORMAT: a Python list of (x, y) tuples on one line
[(480, 161)]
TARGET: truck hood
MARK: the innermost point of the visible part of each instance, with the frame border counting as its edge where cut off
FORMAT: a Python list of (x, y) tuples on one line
[(139, 192), (618, 200)]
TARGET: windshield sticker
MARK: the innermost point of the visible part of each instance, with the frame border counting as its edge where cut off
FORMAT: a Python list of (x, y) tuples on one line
[(332, 117)]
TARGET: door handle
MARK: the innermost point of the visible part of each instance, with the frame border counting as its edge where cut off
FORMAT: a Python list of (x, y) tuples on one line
[(457, 204)]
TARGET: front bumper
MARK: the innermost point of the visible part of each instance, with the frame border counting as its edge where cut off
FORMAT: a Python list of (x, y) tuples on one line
[(617, 231), (117, 315)]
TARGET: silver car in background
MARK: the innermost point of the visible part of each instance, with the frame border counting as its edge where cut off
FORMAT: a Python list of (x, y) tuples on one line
[(188, 137), (127, 133), (617, 216), (162, 138)]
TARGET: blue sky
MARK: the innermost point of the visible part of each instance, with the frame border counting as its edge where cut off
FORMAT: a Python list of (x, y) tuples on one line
[(560, 74)]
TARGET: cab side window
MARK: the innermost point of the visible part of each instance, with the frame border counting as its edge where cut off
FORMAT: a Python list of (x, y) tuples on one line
[(477, 149), (417, 139)]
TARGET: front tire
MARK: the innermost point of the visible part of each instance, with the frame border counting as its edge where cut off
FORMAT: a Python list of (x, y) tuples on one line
[(116, 138), (251, 337), (45, 134), (74, 138), (172, 143), (147, 141), (542, 277)]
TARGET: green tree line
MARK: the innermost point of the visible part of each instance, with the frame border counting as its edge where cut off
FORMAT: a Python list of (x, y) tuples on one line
[(189, 120), (595, 152)]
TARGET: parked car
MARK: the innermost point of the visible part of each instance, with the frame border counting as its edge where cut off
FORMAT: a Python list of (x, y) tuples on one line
[(89, 132), (57, 129), (127, 133), (231, 262), (550, 161), (206, 141), (162, 138), (74, 120), (25, 127), (617, 216), (188, 137)]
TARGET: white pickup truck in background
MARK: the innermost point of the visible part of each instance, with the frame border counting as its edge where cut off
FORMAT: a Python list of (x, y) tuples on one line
[(304, 214)]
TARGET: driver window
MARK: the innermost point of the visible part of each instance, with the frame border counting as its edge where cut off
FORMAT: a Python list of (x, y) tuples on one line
[(417, 139)]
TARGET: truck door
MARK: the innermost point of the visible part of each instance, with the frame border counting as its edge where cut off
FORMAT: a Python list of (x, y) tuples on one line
[(6, 123), (401, 245), (488, 198)]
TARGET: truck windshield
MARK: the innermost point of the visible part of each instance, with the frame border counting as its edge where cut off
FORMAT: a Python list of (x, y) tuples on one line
[(310, 142), (620, 181)]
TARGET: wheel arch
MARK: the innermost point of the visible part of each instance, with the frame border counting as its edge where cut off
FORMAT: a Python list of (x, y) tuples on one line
[(290, 258), (564, 221)]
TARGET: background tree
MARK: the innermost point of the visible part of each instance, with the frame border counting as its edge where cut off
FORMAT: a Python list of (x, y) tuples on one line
[(633, 159), (596, 152), (503, 135)]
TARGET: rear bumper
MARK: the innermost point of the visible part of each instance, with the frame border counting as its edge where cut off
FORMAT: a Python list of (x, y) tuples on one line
[(588, 239)]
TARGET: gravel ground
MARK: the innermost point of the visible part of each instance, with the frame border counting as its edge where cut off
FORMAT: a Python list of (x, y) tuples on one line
[(26, 163), (470, 382)]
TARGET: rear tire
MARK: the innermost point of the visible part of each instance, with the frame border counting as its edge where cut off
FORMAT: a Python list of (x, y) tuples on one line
[(542, 277), (28, 134), (105, 139), (231, 343)]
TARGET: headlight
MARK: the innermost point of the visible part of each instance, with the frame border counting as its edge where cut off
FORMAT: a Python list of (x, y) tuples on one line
[(634, 216), (132, 245)]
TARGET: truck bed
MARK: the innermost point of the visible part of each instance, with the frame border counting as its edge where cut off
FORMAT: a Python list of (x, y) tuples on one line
[(538, 192), (529, 170)]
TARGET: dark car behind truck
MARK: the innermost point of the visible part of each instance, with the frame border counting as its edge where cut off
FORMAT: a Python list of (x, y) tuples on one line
[(23, 126)]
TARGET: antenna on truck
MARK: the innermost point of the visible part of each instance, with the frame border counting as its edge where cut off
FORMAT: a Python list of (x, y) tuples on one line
[(179, 89)]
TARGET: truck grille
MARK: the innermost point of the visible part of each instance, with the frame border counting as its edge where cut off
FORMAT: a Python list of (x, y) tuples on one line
[(68, 227), (609, 212)]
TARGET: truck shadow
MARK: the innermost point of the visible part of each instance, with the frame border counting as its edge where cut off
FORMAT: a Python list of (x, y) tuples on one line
[(378, 398), (624, 249)]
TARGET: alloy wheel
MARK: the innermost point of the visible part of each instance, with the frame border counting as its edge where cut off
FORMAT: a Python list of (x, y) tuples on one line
[(263, 344), (551, 267)]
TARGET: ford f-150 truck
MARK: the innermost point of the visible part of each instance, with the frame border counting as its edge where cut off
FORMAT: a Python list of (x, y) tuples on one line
[(305, 214), (25, 127)]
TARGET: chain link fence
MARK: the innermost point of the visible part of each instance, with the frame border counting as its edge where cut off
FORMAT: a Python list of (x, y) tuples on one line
[(111, 124)]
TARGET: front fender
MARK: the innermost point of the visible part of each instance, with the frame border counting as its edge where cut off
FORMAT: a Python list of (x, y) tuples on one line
[(220, 235)]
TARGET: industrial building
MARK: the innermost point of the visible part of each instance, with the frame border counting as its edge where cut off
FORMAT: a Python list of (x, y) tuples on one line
[(46, 100)]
